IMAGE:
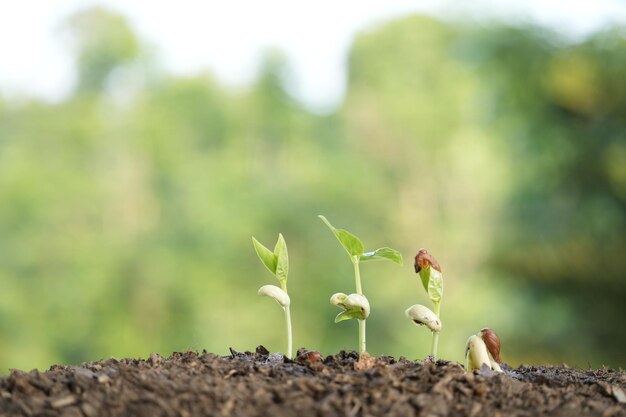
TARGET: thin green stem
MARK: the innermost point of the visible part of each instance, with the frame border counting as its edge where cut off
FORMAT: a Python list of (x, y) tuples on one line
[(359, 290), (357, 275), (289, 336), (435, 335)]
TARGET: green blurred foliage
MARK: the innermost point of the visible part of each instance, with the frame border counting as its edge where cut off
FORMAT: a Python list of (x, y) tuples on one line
[(564, 223), (126, 218), (104, 42)]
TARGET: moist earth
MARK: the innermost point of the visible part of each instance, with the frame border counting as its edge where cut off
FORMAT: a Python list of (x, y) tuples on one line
[(263, 384)]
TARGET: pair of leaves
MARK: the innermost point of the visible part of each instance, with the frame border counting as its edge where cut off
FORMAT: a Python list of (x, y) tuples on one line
[(276, 262), (354, 246), (355, 306), (432, 280)]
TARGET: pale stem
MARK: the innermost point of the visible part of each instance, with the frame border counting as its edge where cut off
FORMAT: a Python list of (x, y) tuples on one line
[(361, 336), (359, 290), (435, 335), (289, 337), (283, 284)]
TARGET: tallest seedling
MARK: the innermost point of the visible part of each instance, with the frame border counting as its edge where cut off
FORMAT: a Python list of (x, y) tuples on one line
[(356, 306)]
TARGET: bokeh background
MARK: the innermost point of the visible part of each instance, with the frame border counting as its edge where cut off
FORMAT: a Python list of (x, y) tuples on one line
[(127, 205)]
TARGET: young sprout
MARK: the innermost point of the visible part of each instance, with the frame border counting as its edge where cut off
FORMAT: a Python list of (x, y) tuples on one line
[(483, 349), (356, 251), (430, 274), (277, 263)]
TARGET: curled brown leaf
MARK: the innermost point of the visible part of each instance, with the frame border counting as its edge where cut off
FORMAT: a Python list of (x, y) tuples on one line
[(423, 259)]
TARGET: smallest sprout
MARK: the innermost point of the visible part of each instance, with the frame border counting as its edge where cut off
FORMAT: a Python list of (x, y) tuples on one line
[(423, 316), (276, 293), (355, 306), (483, 349)]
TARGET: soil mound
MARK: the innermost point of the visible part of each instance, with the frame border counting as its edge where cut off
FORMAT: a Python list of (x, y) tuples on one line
[(263, 384)]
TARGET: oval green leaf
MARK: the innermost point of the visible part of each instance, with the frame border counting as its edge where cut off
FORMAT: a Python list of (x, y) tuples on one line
[(265, 255), (350, 242), (435, 285), (348, 315), (383, 253), (282, 259)]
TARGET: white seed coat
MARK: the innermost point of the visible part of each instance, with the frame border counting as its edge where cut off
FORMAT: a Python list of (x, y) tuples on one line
[(422, 315), (276, 293)]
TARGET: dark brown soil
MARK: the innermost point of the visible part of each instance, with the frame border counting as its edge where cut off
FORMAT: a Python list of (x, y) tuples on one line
[(260, 384)]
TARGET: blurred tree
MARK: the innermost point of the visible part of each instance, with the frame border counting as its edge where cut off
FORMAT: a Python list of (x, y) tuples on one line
[(125, 225), (103, 42), (560, 108)]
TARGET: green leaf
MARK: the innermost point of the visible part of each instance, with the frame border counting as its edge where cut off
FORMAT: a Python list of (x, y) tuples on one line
[(432, 280), (425, 277), (347, 315), (435, 285), (383, 253), (265, 255), (282, 259), (350, 242)]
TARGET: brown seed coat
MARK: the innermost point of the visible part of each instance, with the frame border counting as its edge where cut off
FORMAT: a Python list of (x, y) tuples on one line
[(492, 341)]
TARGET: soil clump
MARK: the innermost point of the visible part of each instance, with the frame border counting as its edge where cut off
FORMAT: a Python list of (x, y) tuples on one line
[(263, 384)]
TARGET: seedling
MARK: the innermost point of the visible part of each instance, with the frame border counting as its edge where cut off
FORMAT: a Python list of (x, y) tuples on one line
[(483, 349), (430, 274), (277, 263), (354, 302)]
